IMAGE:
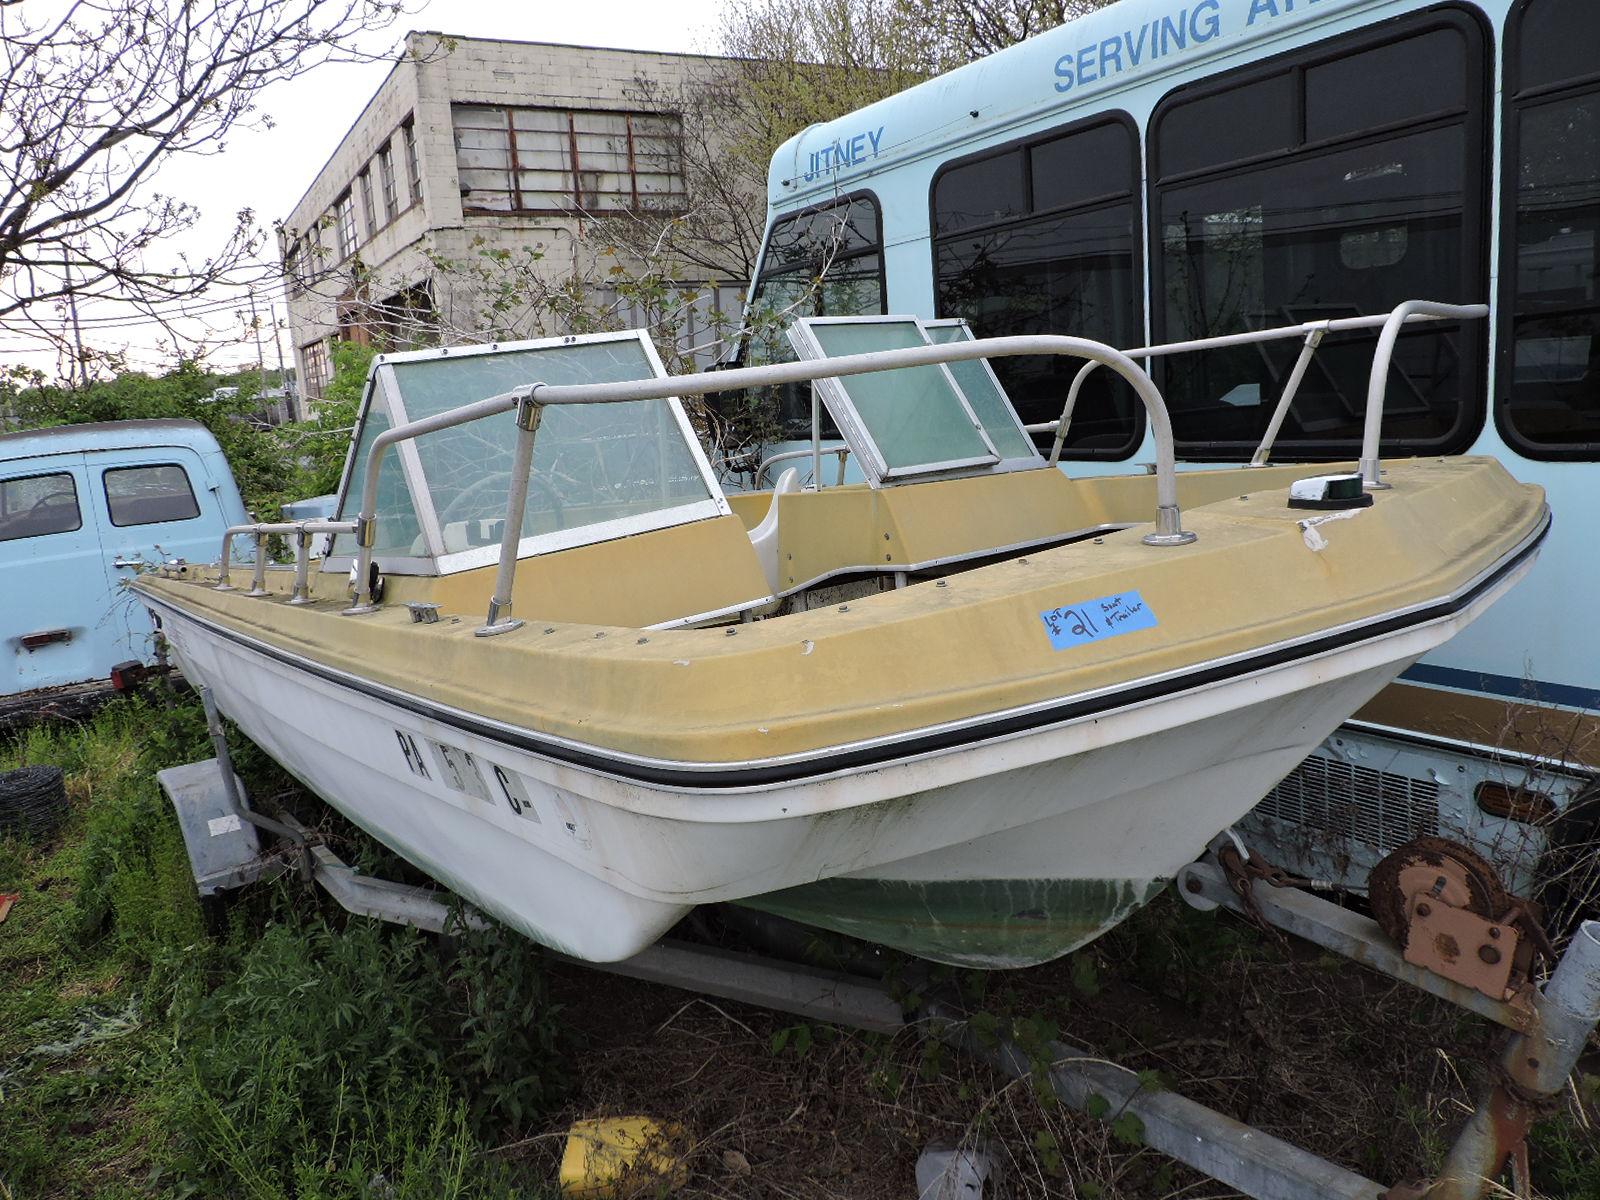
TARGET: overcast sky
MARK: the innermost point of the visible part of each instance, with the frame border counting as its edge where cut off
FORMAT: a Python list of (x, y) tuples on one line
[(269, 170)]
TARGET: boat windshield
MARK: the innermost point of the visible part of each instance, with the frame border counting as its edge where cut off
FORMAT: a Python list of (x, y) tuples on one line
[(914, 421), (988, 398), (600, 471)]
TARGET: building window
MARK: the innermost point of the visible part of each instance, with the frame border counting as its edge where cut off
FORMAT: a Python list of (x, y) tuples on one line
[(1549, 392), (344, 226), (548, 160), (292, 267), (386, 180), (314, 363), (408, 137), (1042, 236), (1334, 182), (369, 214)]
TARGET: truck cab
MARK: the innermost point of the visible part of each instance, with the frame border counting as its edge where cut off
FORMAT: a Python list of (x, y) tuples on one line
[(84, 508)]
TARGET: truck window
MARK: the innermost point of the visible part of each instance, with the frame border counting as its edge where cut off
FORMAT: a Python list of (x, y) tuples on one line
[(1042, 237), (36, 505), (1333, 182), (149, 495), (1550, 389)]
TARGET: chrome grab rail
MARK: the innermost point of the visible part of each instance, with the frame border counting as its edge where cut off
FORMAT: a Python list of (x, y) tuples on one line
[(789, 455), (530, 400), (1313, 332), (302, 531)]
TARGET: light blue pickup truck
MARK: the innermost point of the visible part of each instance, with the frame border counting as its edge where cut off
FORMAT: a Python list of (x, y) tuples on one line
[(82, 509)]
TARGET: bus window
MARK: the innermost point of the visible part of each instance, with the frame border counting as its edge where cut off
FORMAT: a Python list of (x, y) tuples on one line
[(824, 262), (1377, 197), (1550, 388), (1041, 237)]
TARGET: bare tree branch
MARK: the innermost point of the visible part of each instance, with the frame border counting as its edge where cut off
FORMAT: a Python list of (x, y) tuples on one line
[(93, 101)]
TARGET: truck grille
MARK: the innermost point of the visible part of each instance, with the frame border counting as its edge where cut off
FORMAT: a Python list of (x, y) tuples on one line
[(1342, 800)]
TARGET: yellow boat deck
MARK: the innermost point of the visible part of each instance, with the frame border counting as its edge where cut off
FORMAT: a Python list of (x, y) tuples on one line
[(970, 642)]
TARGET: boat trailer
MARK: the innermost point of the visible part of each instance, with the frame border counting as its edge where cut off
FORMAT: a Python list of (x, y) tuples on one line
[(1548, 1028)]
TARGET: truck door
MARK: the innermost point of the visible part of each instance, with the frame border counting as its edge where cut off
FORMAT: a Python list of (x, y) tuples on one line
[(153, 506), (55, 597)]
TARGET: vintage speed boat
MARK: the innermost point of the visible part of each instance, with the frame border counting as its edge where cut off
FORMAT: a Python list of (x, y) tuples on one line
[(971, 708)]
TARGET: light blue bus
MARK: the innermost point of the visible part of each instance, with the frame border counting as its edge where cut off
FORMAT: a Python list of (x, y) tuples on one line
[(1163, 171)]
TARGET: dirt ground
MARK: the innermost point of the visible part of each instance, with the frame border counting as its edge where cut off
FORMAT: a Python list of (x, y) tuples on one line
[(1331, 1057)]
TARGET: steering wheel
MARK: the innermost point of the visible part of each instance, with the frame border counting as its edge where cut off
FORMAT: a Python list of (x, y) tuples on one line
[(467, 503), (54, 499)]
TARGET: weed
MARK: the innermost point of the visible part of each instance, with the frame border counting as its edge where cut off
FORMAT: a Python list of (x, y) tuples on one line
[(504, 1039)]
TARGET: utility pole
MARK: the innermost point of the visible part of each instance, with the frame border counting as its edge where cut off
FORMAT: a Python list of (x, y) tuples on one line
[(289, 389), (82, 371), (261, 362)]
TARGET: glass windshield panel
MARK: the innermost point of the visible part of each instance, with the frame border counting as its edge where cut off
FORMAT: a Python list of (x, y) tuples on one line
[(591, 462), (399, 533), (983, 393), (914, 415)]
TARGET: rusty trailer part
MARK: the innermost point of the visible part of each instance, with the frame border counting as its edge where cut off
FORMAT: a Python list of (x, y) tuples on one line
[(1550, 1027), (1205, 886), (1534, 1067)]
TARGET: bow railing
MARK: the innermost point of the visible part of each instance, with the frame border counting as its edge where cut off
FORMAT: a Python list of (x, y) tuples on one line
[(301, 531), (1312, 332)]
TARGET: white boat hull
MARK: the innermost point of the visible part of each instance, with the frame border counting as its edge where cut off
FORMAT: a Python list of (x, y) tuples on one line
[(599, 866)]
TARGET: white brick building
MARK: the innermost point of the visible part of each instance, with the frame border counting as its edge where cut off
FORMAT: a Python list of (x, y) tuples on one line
[(472, 145)]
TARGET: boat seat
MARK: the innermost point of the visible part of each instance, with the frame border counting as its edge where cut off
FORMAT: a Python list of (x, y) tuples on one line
[(764, 537)]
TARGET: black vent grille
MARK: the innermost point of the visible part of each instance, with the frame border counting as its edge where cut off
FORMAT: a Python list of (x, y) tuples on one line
[(1342, 800)]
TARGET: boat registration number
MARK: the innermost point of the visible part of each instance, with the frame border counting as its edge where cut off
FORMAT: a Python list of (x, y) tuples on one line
[(459, 771), (1097, 619)]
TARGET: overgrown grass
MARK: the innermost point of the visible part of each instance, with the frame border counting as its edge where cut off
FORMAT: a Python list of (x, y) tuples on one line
[(273, 1050)]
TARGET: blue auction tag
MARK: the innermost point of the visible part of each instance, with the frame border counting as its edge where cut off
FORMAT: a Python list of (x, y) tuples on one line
[(1095, 620)]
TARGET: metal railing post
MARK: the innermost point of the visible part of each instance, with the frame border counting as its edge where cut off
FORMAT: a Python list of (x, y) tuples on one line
[(1378, 381), (258, 582), (816, 438), (302, 567), (366, 530), (1313, 339), (223, 584), (529, 413), (1065, 419)]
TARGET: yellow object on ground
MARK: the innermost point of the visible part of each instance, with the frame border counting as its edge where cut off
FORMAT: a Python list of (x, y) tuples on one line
[(622, 1157)]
